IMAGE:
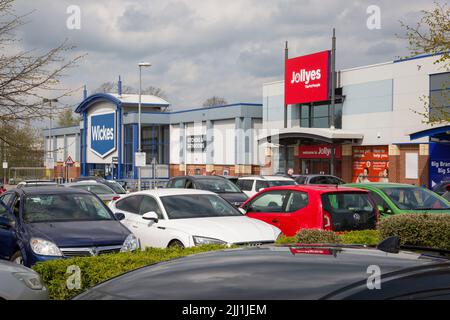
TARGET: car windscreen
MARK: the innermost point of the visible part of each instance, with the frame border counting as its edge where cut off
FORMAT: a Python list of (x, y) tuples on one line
[(278, 183), (198, 206), (64, 207), (98, 189), (217, 185), (347, 202), (415, 198), (116, 187)]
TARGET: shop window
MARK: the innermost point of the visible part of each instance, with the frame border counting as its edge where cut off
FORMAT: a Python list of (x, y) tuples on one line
[(439, 95), (312, 116)]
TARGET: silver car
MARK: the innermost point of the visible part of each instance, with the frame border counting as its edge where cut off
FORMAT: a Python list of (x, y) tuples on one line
[(20, 283), (105, 193)]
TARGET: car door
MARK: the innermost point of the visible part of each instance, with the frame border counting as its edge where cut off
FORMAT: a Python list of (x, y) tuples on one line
[(270, 207), (7, 232), (129, 206), (150, 233)]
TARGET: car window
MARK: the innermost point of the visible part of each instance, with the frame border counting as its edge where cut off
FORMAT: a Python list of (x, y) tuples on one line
[(301, 180), (64, 207), (98, 189), (198, 206), (4, 213), (334, 180), (347, 202), (245, 185), (149, 204), (217, 185), (271, 201), (7, 198), (177, 183), (407, 198), (279, 183), (296, 201), (129, 204), (379, 201), (116, 187), (261, 185)]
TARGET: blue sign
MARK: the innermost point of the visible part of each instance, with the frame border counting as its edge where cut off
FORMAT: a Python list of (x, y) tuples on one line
[(439, 163), (103, 134)]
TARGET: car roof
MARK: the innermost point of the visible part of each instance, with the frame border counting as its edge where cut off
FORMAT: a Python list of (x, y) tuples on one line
[(50, 190), (201, 177), (381, 185), (275, 273), (172, 192), (268, 178), (320, 188)]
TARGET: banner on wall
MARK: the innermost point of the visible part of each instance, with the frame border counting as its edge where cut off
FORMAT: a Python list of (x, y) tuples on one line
[(370, 164), (307, 78), (439, 163)]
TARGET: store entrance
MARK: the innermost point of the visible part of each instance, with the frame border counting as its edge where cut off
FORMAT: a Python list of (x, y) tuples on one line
[(319, 166)]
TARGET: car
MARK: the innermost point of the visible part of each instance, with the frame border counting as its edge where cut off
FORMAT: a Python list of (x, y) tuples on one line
[(442, 187), (292, 208), (187, 217), (54, 222), (396, 198), (217, 184), (36, 183), (318, 179), (20, 283), (251, 185), (105, 193), (294, 272), (116, 186)]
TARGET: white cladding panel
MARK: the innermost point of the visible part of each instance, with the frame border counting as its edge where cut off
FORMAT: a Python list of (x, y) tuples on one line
[(72, 148), (224, 142), (100, 108), (175, 134)]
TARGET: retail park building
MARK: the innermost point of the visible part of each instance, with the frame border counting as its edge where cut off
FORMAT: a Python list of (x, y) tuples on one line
[(378, 129)]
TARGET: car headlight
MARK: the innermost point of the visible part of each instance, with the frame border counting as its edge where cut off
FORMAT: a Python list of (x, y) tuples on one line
[(131, 243), (44, 247), (199, 241), (31, 280)]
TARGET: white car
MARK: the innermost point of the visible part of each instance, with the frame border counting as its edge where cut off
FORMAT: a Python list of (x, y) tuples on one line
[(253, 184), (186, 217)]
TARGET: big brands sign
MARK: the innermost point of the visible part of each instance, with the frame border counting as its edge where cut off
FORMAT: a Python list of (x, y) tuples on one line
[(307, 78), (103, 134)]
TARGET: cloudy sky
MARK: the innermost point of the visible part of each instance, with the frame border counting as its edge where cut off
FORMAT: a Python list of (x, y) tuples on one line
[(201, 48)]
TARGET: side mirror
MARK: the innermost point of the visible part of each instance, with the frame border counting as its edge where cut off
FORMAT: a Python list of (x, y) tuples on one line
[(151, 216), (7, 223), (242, 210), (119, 216)]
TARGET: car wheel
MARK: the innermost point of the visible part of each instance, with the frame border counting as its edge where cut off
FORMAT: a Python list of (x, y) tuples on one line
[(17, 258), (176, 244)]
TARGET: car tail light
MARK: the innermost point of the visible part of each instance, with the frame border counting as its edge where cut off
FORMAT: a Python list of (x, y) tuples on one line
[(327, 221), (115, 198)]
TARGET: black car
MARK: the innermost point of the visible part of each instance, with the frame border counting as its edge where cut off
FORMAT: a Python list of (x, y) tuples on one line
[(285, 273), (318, 179), (442, 187), (218, 184)]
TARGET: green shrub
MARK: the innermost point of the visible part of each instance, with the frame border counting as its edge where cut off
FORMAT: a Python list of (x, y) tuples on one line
[(428, 230), (367, 237), (101, 268), (313, 236), (286, 240)]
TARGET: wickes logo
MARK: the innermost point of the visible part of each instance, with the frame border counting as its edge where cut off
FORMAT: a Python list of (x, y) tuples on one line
[(305, 76), (102, 133)]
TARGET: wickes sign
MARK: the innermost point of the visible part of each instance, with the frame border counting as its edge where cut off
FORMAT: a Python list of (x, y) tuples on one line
[(103, 134), (307, 79)]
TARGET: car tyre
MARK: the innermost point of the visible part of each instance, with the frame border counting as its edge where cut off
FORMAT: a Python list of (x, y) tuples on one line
[(17, 258), (176, 244)]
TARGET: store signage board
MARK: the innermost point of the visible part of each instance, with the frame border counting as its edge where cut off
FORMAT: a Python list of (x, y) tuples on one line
[(439, 163), (307, 78), (319, 152), (103, 134), (5, 165), (140, 159), (196, 143)]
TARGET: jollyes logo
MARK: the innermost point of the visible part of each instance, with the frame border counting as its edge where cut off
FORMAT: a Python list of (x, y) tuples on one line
[(305, 76)]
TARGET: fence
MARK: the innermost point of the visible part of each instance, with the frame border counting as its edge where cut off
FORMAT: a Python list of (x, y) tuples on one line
[(16, 175)]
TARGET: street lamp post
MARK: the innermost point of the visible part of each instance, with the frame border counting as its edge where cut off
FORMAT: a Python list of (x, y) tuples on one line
[(142, 64), (49, 101)]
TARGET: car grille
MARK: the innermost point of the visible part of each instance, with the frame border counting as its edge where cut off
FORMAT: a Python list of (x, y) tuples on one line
[(88, 252), (253, 243)]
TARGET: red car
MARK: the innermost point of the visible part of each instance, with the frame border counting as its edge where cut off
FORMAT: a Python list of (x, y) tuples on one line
[(291, 208)]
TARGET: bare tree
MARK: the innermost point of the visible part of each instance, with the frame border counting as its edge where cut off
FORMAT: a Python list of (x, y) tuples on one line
[(214, 102), (155, 91), (67, 118), (112, 87), (26, 77)]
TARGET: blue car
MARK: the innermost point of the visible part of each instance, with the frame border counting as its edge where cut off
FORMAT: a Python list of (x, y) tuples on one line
[(53, 222)]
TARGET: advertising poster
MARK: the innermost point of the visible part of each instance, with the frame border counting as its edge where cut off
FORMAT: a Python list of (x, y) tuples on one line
[(370, 164), (439, 163)]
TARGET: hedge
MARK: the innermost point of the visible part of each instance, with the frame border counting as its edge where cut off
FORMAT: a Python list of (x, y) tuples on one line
[(426, 230), (365, 237), (101, 268)]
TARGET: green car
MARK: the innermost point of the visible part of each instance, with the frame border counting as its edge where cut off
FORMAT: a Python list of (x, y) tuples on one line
[(395, 198)]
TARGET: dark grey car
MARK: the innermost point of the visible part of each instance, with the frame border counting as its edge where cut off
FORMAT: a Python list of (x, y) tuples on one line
[(285, 273), (318, 179)]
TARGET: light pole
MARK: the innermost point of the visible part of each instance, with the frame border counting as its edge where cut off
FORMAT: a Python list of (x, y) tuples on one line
[(49, 101), (142, 64)]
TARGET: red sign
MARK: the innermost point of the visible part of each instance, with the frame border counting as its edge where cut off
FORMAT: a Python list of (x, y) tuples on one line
[(319, 152), (307, 78), (69, 161), (371, 164)]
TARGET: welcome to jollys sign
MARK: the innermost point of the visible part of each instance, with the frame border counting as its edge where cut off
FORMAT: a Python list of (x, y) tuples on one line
[(371, 164), (307, 78)]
